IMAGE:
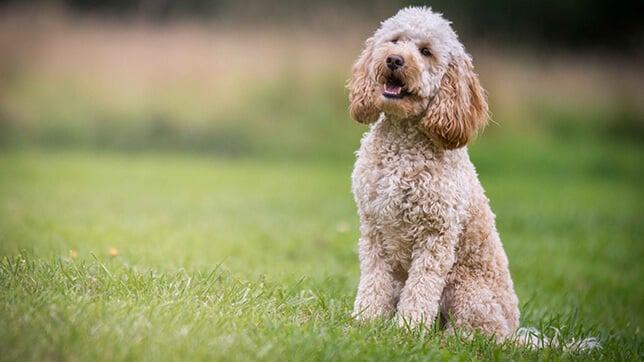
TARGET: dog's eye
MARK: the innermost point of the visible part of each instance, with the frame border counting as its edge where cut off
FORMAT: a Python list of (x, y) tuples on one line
[(394, 40), (425, 51)]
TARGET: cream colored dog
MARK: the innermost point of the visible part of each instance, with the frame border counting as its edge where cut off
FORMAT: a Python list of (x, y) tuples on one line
[(429, 248)]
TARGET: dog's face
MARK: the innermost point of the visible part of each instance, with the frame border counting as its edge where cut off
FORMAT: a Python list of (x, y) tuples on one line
[(414, 67), (410, 56), (406, 73)]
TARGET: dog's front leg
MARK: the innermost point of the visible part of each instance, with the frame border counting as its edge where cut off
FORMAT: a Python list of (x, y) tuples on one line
[(432, 260), (377, 290)]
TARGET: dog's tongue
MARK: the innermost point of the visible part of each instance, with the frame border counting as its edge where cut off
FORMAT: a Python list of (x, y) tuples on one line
[(391, 88)]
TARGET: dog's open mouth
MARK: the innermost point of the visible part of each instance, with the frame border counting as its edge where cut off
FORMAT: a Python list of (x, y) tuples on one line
[(394, 88)]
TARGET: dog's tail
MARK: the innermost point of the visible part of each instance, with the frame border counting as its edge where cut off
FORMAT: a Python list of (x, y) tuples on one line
[(533, 338)]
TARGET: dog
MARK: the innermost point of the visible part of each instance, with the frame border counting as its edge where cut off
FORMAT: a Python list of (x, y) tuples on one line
[(429, 250)]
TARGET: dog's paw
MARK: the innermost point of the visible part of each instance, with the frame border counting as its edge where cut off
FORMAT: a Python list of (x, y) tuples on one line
[(370, 313)]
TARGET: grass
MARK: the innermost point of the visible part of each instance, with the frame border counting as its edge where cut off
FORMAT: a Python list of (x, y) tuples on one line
[(145, 214), (254, 259)]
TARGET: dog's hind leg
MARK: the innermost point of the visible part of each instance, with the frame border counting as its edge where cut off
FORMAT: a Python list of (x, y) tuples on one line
[(472, 303)]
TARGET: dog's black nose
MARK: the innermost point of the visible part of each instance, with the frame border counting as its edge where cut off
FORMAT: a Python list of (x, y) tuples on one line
[(395, 61)]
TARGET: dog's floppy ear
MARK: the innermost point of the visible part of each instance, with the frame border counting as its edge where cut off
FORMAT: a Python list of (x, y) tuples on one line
[(459, 109), (362, 88)]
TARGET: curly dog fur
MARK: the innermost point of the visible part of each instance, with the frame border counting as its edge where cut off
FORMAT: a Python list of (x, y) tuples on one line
[(429, 249)]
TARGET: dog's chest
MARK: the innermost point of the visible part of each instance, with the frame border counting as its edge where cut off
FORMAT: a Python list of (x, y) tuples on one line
[(400, 183), (393, 192)]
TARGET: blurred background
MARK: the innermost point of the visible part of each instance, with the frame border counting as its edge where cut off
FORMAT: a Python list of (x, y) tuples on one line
[(266, 78)]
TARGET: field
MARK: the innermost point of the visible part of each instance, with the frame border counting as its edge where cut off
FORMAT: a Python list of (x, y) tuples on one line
[(159, 206)]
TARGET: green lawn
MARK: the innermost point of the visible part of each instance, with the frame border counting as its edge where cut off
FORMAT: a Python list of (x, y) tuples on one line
[(254, 258)]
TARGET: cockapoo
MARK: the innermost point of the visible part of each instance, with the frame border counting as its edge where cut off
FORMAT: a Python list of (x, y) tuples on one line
[(429, 249)]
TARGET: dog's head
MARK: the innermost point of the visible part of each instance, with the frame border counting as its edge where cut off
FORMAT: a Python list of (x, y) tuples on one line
[(414, 67)]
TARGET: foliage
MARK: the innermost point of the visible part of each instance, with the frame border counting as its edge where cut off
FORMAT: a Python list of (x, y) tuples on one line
[(591, 25)]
